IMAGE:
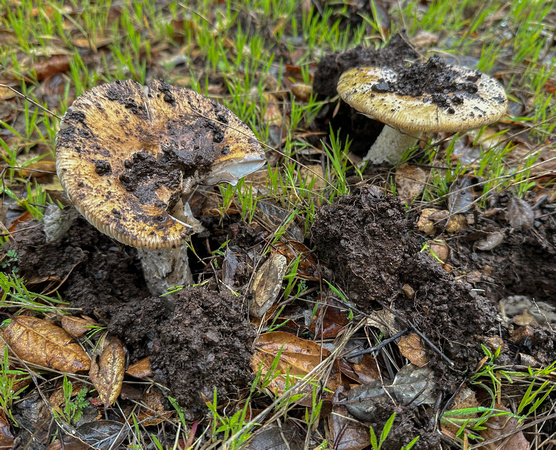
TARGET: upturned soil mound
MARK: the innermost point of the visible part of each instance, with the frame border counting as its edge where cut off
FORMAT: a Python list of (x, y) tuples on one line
[(371, 250), (374, 255), (203, 343)]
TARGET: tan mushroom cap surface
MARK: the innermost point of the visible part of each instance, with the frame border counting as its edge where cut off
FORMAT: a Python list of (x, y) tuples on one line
[(126, 153), (361, 89)]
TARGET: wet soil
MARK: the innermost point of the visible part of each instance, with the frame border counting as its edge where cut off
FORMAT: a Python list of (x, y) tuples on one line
[(376, 254), (360, 129), (205, 342), (376, 251), (434, 79)]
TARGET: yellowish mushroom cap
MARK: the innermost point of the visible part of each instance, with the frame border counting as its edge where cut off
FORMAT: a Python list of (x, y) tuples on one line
[(367, 90), (126, 153)]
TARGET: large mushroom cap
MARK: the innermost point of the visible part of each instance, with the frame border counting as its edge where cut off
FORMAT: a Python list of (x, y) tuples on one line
[(425, 97), (126, 153)]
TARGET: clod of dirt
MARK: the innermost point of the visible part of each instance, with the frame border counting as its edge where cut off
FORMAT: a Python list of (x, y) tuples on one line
[(374, 255), (204, 343), (360, 129), (93, 272)]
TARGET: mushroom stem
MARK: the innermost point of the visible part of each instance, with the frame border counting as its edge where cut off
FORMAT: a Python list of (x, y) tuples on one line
[(165, 268), (390, 145)]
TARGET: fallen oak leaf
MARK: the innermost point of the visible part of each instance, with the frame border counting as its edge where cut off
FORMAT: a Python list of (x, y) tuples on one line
[(6, 437), (412, 348), (297, 358), (107, 371), (496, 429), (141, 368), (155, 411), (40, 342), (78, 326)]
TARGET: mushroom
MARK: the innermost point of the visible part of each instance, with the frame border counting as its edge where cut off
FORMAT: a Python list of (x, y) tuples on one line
[(127, 154), (431, 96)]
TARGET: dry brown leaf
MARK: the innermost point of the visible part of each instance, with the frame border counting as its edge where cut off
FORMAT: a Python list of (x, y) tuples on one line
[(45, 344), (267, 283), (464, 399), (330, 318), (6, 437), (410, 181), (69, 443), (312, 173), (411, 347), (155, 412), (364, 372), (308, 266), (141, 368), (23, 218), (302, 91), (107, 371), (5, 93), (54, 64), (78, 326), (497, 426), (298, 358), (347, 433), (39, 169)]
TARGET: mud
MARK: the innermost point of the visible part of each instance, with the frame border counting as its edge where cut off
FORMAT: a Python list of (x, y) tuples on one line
[(204, 343), (436, 80), (376, 252), (360, 129)]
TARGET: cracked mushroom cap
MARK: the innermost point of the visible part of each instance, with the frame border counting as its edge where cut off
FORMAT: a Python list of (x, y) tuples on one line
[(126, 153), (431, 96)]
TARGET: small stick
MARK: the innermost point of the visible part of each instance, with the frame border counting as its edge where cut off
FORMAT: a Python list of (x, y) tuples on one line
[(30, 100), (379, 346), (430, 344)]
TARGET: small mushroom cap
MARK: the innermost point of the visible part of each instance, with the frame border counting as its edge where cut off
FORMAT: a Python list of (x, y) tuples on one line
[(126, 153), (365, 89)]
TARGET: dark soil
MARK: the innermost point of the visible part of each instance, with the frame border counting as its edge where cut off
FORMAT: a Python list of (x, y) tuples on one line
[(375, 252), (204, 343), (436, 80), (360, 129), (375, 255)]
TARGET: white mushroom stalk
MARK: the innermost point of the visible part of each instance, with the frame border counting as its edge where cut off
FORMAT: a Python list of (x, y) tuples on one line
[(469, 100), (127, 154), (390, 145)]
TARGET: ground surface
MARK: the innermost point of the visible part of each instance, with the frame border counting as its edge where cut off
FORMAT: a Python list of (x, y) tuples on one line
[(306, 269)]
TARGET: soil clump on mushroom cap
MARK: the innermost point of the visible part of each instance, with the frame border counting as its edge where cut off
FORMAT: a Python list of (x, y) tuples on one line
[(435, 80), (360, 129), (205, 342)]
